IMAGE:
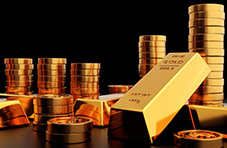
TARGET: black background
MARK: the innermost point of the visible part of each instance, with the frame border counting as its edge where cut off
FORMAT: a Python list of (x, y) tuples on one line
[(92, 32)]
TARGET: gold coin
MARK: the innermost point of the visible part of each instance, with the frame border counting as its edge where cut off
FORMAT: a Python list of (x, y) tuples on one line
[(53, 100), (119, 88), (13, 114), (152, 49), (18, 61), (209, 89), (152, 44), (76, 91), (214, 60), (207, 30), (60, 90), (17, 72), (152, 38), (47, 84), (19, 78), (209, 52), (84, 72), (216, 67), (85, 65), (84, 85), (51, 72), (210, 82), (146, 66), (206, 22), (150, 61), (206, 37), (146, 55), (18, 89), (50, 110), (215, 74), (211, 97), (20, 66), (52, 78), (205, 45), (19, 83), (52, 60), (206, 7), (51, 66), (44, 118), (84, 79), (207, 14)]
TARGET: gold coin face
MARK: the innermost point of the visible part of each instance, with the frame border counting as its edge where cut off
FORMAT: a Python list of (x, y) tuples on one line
[(70, 120)]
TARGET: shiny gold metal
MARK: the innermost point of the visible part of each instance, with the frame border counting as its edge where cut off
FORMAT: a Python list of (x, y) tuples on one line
[(216, 103), (207, 30), (209, 89), (88, 113), (206, 7), (150, 61), (119, 88), (49, 84), (214, 60), (144, 103), (18, 72), (210, 82), (151, 50), (18, 61), (152, 38), (16, 121), (216, 74), (86, 96), (53, 100), (85, 65), (84, 85), (8, 106), (207, 14), (206, 37), (64, 109), (52, 60), (51, 66), (216, 67), (206, 22), (198, 139), (81, 79), (19, 83), (205, 45), (19, 78), (84, 72), (152, 44), (209, 52), (207, 97), (43, 118), (51, 72), (51, 78), (39, 127), (146, 66), (20, 66), (13, 114), (146, 55), (82, 91), (60, 90), (19, 89), (90, 107)]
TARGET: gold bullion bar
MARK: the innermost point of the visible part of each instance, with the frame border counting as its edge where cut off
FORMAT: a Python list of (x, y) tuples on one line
[(152, 38), (64, 109), (214, 60), (69, 125), (91, 108), (146, 55), (206, 22), (13, 114), (207, 30), (49, 84), (216, 67), (152, 49), (52, 60), (86, 96), (88, 113), (209, 89), (206, 7), (205, 45), (19, 83), (51, 66), (19, 78), (17, 72), (206, 37), (210, 82), (209, 52), (84, 91), (84, 72), (84, 85), (18, 61), (39, 127), (51, 78), (8, 106), (215, 74), (207, 14), (60, 90), (44, 118), (211, 97), (85, 79), (20, 66), (152, 44), (85, 65), (149, 61), (17, 121), (51, 72)]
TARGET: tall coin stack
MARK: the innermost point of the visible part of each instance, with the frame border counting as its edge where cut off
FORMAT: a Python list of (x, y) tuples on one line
[(152, 49), (51, 75), (19, 76), (85, 80), (50, 106), (206, 36)]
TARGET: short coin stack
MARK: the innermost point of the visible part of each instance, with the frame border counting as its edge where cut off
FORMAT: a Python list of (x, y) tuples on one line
[(85, 80), (19, 76), (206, 36), (152, 49), (50, 106), (113, 89), (51, 75), (69, 130)]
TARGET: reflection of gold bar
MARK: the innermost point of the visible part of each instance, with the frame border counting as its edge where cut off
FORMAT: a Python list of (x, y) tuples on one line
[(100, 107), (155, 100)]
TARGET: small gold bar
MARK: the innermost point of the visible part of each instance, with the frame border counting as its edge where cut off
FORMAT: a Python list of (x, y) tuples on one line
[(148, 107)]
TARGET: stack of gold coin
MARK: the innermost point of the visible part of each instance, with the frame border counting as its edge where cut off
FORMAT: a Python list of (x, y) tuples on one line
[(51, 75), (69, 130), (50, 106), (85, 80), (206, 36), (116, 89), (19, 76), (152, 49)]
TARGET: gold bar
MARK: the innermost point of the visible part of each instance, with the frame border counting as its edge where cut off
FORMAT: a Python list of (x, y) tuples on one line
[(152, 103)]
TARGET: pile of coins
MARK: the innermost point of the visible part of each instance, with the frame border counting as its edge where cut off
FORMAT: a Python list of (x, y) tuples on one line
[(85, 80), (69, 130), (51, 75), (206, 36), (50, 106), (152, 49), (117, 89), (19, 76)]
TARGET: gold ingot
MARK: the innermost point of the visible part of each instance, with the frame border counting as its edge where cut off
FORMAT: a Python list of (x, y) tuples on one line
[(206, 7), (84, 72), (205, 45), (51, 66), (80, 79), (17, 72), (214, 60), (12, 114), (44, 118), (90, 107), (218, 74), (20, 66), (206, 37), (51, 110), (216, 67), (207, 30), (210, 82), (207, 14), (152, 38), (81, 91), (206, 22), (149, 61), (18, 61), (209, 89), (153, 44), (84, 85), (8, 106), (60, 90), (61, 72), (86, 96), (119, 88), (152, 49), (49, 84), (208, 97), (88, 113), (19, 83), (52, 60), (146, 55), (51, 78), (19, 78), (16, 121), (209, 52), (85, 65)]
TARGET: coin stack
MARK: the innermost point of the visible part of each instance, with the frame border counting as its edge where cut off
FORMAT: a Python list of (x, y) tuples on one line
[(69, 130), (152, 49), (19, 76), (85, 80), (206, 36), (50, 106), (51, 75), (113, 89)]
